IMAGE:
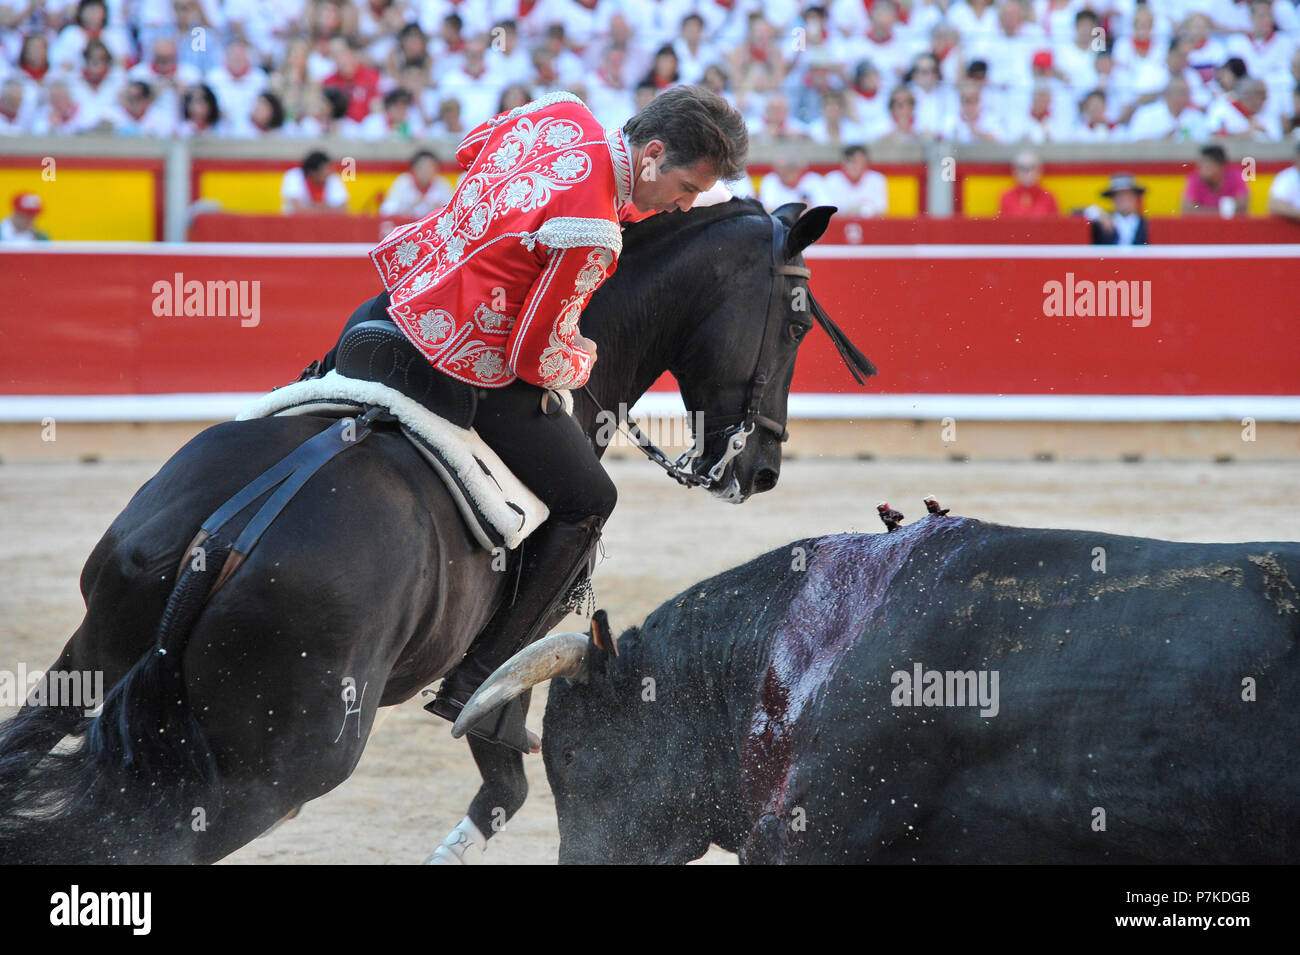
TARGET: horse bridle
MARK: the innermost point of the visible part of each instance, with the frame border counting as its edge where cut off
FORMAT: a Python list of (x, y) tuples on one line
[(735, 437)]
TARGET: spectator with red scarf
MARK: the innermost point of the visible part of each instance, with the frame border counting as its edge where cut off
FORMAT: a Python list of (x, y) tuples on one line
[(313, 187), (1027, 199)]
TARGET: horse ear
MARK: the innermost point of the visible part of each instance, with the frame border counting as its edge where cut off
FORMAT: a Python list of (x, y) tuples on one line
[(808, 230), (789, 213)]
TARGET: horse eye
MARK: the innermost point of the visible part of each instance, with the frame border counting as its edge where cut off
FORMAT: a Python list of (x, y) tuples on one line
[(569, 757), (797, 331)]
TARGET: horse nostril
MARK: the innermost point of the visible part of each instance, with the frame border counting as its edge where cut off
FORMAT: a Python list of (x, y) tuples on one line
[(765, 480)]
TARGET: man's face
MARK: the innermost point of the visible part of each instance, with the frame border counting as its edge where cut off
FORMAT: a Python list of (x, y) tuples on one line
[(662, 191), (1210, 170), (1126, 201), (1027, 170)]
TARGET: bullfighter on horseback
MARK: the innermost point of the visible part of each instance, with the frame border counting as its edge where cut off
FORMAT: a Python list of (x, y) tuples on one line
[(485, 295)]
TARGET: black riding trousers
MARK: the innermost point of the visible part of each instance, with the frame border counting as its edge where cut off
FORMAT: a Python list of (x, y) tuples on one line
[(550, 453)]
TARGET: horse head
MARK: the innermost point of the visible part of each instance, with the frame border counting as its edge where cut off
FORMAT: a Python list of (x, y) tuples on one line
[(735, 366)]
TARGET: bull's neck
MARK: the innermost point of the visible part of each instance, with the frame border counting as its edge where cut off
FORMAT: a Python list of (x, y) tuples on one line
[(721, 668)]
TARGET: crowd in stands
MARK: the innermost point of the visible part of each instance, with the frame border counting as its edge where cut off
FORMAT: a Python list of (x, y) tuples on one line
[(846, 72)]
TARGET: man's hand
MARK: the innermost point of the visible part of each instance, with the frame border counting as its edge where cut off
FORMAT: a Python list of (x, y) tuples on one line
[(586, 344)]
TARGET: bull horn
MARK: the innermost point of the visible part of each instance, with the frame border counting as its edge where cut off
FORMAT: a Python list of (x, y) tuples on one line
[(562, 654)]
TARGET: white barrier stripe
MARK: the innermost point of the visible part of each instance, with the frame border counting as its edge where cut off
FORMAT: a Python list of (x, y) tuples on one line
[(1099, 252), (33, 409)]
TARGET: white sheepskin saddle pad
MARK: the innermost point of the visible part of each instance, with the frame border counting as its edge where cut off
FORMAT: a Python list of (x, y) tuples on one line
[(498, 509)]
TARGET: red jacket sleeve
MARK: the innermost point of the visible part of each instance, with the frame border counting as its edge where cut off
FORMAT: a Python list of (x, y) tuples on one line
[(540, 348)]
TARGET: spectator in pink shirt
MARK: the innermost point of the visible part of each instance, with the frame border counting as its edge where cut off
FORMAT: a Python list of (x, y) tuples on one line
[(1216, 186)]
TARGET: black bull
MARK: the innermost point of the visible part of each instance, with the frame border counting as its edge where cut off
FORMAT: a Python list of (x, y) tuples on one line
[(1145, 711)]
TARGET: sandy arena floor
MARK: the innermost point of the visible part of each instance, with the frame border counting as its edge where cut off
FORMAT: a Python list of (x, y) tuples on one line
[(415, 782)]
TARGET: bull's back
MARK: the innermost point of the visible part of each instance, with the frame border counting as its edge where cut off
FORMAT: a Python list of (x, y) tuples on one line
[(1136, 709)]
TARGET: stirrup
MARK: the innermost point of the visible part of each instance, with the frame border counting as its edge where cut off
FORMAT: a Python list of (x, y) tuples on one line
[(504, 726)]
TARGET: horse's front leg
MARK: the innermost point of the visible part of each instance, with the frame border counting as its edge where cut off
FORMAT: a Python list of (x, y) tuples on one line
[(503, 791)]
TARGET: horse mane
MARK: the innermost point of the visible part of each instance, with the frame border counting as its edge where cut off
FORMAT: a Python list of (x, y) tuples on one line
[(673, 225)]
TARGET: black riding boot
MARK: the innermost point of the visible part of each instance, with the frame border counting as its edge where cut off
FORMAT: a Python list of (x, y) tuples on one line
[(556, 557)]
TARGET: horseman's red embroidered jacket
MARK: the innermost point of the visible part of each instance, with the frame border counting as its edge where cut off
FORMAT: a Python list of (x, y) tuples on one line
[(491, 286)]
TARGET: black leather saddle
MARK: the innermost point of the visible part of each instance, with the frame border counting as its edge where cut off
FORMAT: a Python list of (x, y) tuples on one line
[(377, 350)]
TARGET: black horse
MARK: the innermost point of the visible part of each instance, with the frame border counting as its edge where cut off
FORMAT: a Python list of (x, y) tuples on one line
[(226, 715)]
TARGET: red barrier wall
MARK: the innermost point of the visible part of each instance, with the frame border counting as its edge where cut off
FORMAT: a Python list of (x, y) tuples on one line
[(1219, 325)]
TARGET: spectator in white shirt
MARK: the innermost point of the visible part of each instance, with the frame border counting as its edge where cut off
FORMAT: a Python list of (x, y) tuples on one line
[(694, 52), (507, 59), (975, 20), (1077, 59), (1171, 117), (202, 115), (1093, 126), (165, 74), (777, 125), (62, 114), (608, 95), (854, 188), (789, 181), (1284, 193), (974, 123), (414, 194), (90, 23), (313, 187), (869, 104), (472, 82), (1266, 50), (140, 114), (237, 82), (833, 127), (1009, 50), (19, 228), (1241, 114), (883, 45), (397, 120), (935, 101), (1205, 52), (13, 121), (1042, 122), (266, 118), (97, 87)]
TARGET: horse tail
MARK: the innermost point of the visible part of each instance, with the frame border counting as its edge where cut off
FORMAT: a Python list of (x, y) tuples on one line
[(126, 783)]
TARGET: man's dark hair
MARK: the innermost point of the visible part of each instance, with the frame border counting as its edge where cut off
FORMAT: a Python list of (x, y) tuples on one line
[(977, 69), (314, 160), (694, 124), (1236, 66), (338, 101), (1084, 14), (81, 8), (1215, 152), (277, 109), (423, 154), (398, 94), (214, 111), (853, 150)]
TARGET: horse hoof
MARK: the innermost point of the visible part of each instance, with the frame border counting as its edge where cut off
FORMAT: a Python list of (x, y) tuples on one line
[(464, 845)]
